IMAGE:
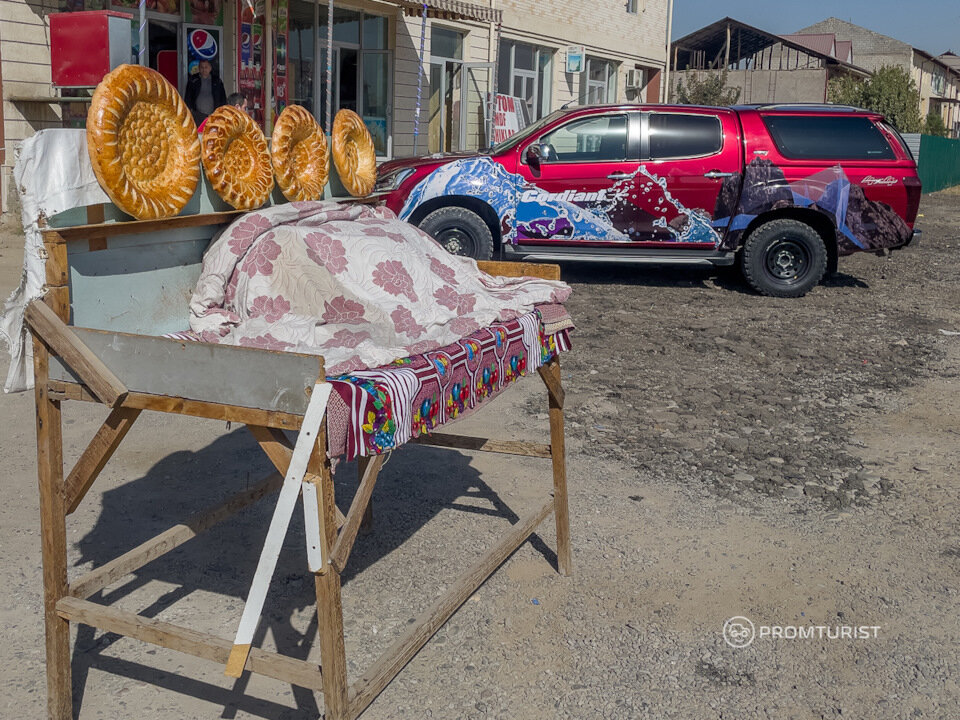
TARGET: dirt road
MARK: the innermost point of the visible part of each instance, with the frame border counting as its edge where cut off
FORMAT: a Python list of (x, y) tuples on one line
[(790, 461)]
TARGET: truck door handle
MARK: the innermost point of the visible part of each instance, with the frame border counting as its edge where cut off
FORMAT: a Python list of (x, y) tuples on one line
[(618, 176), (714, 174)]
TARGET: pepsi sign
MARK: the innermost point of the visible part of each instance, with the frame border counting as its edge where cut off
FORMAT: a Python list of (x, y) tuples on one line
[(203, 45)]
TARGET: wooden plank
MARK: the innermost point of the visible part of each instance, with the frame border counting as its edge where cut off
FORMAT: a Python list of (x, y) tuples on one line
[(550, 373), (205, 372), (379, 675), (58, 300), (97, 453), (508, 268), (95, 217), (366, 525), (53, 539), (557, 443), (214, 411), (279, 523), (466, 442), (75, 354), (348, 535), (192, 642), (55, 265), (171, 539), (329, 603), (278, 449), (107, 230)]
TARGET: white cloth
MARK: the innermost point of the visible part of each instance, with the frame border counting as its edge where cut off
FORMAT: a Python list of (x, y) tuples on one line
[(53, 174)]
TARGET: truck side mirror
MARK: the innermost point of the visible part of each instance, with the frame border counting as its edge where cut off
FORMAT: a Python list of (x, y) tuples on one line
[(534, 155), (539, 153)]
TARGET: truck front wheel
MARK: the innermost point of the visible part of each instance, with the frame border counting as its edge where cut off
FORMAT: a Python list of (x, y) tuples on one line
[(460, 232), (783, 258)]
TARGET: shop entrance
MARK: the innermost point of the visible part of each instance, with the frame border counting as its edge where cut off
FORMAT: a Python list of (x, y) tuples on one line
[(458, 111)]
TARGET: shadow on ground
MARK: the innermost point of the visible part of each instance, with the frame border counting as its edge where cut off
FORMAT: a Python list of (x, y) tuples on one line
[(413, 487)]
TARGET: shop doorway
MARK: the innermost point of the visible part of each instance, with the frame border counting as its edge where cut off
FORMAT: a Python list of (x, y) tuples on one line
[(459, 109), (163, 50)]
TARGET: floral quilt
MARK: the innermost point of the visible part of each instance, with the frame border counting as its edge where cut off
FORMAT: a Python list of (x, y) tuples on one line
[(350, 282)]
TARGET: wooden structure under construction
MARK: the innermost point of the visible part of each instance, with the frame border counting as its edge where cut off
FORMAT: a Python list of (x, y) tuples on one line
[(765, 67), (131, 370)]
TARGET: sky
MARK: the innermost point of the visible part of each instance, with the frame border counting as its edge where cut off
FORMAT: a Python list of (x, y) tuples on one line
[(931, 25)]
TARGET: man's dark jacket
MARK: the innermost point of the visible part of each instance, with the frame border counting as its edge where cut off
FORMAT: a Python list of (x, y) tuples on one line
[(193, 89)]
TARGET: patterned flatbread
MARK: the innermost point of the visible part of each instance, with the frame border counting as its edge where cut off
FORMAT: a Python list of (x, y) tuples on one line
[(143, 143), (353, 153), (301, 161), (235, 158)]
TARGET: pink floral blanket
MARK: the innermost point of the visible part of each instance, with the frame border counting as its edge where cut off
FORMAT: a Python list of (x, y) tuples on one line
[(349, 282)]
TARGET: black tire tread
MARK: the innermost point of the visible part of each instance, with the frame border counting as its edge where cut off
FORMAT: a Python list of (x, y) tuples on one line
[(470, 220), (752, 247)]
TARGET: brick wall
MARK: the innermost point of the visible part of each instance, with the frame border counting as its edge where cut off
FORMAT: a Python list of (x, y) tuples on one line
[(871, 50)]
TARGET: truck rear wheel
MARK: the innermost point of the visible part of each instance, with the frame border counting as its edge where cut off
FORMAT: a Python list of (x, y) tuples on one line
[(783, 258), (460, 232)]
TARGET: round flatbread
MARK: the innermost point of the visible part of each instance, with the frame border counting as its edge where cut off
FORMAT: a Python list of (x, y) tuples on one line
[(235, 158), (301, 161), (353, 153), (143, 143)]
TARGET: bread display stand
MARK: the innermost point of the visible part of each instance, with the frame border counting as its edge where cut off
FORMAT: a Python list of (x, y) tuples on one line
[(112, 289)]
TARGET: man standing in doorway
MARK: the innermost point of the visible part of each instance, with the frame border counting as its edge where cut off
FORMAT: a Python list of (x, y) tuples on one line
[(205, 92)]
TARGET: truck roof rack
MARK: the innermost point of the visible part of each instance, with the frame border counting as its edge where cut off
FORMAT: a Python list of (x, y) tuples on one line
[(828, 107)]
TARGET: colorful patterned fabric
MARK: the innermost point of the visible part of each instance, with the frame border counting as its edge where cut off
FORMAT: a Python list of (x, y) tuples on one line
[(414, 396), (373, 411)]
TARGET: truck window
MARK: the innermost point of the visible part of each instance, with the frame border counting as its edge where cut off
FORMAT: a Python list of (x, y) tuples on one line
[(811, 137), (592, 139), (675, 135)]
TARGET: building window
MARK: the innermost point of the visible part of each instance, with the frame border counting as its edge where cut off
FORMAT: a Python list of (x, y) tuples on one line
[(525, 71), (632, 6), (598, 82), (361, 70)]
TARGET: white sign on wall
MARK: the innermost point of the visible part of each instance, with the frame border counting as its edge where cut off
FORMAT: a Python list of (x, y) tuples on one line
[(575, 56), (509, 117)]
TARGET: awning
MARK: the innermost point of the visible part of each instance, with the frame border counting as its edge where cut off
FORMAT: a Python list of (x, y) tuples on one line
[(451, 10)]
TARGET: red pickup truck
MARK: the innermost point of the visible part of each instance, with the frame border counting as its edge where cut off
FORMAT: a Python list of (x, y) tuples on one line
[(783, 190)]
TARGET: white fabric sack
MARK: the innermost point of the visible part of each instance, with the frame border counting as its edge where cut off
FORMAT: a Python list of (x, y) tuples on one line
[(53, 174)]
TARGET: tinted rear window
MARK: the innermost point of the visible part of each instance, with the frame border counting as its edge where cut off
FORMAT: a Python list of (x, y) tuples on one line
[(805, 137), (679, 136)]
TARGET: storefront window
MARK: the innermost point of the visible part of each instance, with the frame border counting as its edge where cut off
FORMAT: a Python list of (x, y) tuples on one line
[(599, 82), (446, 43), (346, 25), (361, 71), (374, 32), (525, 72), (301, 56)]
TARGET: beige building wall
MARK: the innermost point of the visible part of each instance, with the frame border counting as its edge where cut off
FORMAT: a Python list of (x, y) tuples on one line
[(25, 71), (603, 27)]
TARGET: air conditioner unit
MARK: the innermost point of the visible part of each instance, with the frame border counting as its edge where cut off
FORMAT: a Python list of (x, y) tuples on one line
[(635, 78)]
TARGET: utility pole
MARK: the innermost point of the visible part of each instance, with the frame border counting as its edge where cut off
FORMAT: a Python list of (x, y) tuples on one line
[(666, 74)]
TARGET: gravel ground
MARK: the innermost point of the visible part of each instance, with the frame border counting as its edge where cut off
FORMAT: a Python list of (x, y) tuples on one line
[(791, 461)]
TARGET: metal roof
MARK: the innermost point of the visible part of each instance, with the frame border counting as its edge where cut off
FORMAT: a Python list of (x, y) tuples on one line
[(845, 50), (823, 43), (745, 41)]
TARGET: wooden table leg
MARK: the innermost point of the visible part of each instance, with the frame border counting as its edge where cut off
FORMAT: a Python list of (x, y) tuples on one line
[(366, 525), (333, 661), (53, 539), (551, 377)]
